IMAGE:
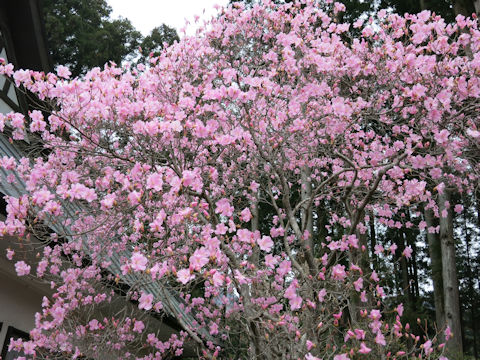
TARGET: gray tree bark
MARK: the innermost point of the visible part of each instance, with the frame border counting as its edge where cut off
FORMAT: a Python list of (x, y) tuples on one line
[(465, 7), (450, 280), (254, 227), (435, 251), (306, 195), (476, 4)]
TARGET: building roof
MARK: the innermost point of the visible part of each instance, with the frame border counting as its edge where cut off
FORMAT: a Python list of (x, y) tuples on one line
[(22, 21)]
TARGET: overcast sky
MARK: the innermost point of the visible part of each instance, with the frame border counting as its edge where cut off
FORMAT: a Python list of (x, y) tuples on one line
[(147, 14)]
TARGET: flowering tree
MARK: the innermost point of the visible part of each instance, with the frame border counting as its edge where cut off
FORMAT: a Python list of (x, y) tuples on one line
[(239, 172)]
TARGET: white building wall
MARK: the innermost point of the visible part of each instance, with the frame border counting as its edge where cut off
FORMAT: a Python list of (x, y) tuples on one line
[(20, 297), (18, 304)]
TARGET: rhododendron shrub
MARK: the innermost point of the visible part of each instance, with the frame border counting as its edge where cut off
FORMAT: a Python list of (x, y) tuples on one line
[(274, 107)]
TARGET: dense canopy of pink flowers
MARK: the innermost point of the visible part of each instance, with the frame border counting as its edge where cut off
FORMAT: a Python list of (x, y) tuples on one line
[(275, 106)]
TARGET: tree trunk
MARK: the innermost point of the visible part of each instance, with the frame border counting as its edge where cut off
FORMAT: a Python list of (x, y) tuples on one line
[(476, 5), (307, 218), (465, 7), (435, 251), (411, 241), (450, 280), (406, 288), (414, 272), (471, 290), (254, 227), (373, 240)]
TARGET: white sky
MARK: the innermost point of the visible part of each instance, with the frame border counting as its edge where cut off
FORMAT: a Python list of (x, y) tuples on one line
[(147, 14)]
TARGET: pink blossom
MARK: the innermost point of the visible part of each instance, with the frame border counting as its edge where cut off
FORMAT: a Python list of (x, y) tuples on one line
[(374, 276), (37, 123), (254, 186), (364, 349), (284, 267), (295, 302), (22, 268), (193, 180), (291, 291), (145, 301), (58, 313), (213, 330), (53, 208), (358, 23), (341, 357), (265, 243), (138, 262), (184, 276), (380, 339), (158, 306), (80, 191), (276, 232), (358, 284), (393, 248), (108, 201), (432, 229), (379, 249), (10, 254), (338, 7), (338, 272), (138, 326), (270, 260), (458, 208), (352, 240), (224, 208), (218, 279), (407, 252), (399, 309), (245, 235), (440, 187), (427, 347), (321, 295), (28, 348), (444, 97), (63, 72), (15, 345), (17, 121), (418, 91), (94, 324), (310, 345), (473, 133), (448, 333), (221, 229), (360, 334), (155, 181), (245, 215), (134, 197), (375, 314), (436, 173), (199, 258), (341, 107), (442, 137), (422, 225)]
